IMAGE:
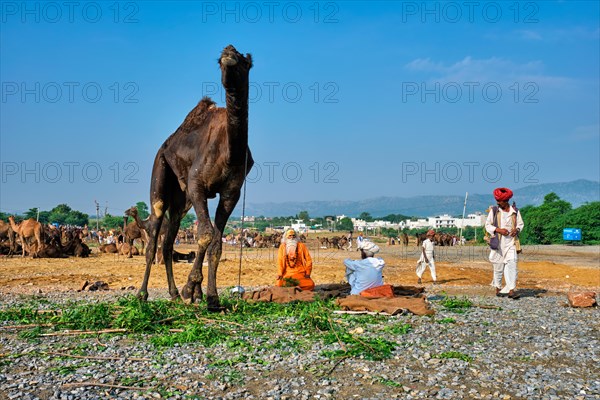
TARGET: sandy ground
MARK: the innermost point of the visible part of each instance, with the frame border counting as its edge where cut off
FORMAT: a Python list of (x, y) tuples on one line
[(460, 269)]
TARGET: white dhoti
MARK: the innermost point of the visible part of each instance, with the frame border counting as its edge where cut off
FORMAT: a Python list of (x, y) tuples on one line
[(510, 273), (422, 265), (504, 259)]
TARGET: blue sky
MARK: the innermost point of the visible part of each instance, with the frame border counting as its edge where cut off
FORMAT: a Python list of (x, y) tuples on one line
[(349, 100)]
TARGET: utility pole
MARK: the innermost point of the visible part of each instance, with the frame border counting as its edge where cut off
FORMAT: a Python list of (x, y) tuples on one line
[(105, 209), (463, 217), (37, 218), (97, 215)]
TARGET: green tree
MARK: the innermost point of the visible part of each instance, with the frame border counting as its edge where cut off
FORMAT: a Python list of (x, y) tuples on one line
[(187, 221), (64, 215), (142, 208), (544, 224), (395, 217), (31, 213), (365, 216), (111, 222), (303, 215), (77, 218), (61, 209), (587, 218), (43, 216), (345, 224)]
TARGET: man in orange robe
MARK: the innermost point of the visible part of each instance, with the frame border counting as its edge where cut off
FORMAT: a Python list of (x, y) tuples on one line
[(294, 261)]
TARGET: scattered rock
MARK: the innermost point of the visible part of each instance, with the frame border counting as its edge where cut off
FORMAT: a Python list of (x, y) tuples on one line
[(582, 299)]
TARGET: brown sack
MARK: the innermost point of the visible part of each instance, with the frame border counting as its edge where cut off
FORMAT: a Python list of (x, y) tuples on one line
[(416, 305), (279, 295)]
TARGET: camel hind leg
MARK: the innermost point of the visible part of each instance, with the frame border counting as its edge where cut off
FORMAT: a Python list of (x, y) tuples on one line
[(173, 220), (159, 187)]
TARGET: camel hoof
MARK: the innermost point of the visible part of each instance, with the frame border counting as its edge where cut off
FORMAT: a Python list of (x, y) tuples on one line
[(191, 293), (213, 305), (142, 296)]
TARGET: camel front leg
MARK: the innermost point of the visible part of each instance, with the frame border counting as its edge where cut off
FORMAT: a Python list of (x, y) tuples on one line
[(224, 210), (130, 243), (23, 245), (192, 291)]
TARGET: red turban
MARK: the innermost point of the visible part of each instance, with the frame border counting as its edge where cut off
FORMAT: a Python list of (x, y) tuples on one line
[(502, 194)]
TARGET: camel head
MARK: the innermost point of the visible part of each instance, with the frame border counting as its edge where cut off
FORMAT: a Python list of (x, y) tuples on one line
[(132, 212), (235, 68)]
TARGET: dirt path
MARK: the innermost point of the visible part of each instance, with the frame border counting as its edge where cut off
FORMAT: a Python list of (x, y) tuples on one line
[(542, 268)]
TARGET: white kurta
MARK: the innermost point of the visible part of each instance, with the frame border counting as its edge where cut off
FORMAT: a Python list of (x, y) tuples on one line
[(504, 259), (364, 274), (422, 265)]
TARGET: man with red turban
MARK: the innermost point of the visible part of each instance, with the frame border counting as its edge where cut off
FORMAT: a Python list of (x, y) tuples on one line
[(505, 222), (294, 262)]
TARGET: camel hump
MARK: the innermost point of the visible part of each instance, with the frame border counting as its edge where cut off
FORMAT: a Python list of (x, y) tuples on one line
[(197, 116), (206, 103)]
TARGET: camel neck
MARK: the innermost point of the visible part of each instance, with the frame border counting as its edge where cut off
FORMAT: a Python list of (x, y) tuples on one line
[(137, 220), (237, 125), (13, 224)]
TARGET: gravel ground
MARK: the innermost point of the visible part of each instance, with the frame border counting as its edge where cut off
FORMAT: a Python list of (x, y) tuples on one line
[(532, 348)]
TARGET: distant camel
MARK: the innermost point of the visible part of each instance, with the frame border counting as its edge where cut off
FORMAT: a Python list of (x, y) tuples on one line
[(108, 248), (7, 233), (127, 250), (404, 239), (133, 231), (420, 238), (207, 155), (26, 230)]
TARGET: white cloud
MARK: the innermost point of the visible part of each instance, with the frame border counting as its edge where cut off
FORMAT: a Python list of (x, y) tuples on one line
[(492, 69)]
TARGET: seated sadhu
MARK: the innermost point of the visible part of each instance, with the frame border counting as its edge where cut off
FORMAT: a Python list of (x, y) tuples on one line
[(294, 264)]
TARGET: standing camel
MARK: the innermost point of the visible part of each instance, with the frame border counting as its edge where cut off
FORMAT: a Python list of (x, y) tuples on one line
[(27, 229), (133, 231), (7, 233), (207, 154), (404, 238)]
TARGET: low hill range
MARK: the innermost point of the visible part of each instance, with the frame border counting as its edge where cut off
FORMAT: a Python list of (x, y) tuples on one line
[(575, 192)]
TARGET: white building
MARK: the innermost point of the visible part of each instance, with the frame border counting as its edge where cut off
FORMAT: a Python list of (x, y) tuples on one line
[(442, 221), (476, 220), (364, 226), (300, 226), (445, 221), (418, 224)]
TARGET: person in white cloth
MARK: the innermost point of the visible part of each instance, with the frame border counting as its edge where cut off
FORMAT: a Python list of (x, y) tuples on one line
[(359, 240), (367, 272), (504, 259), (427, 258)]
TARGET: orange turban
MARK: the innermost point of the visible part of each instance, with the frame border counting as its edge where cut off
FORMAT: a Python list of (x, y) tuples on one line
[(502, 194)]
